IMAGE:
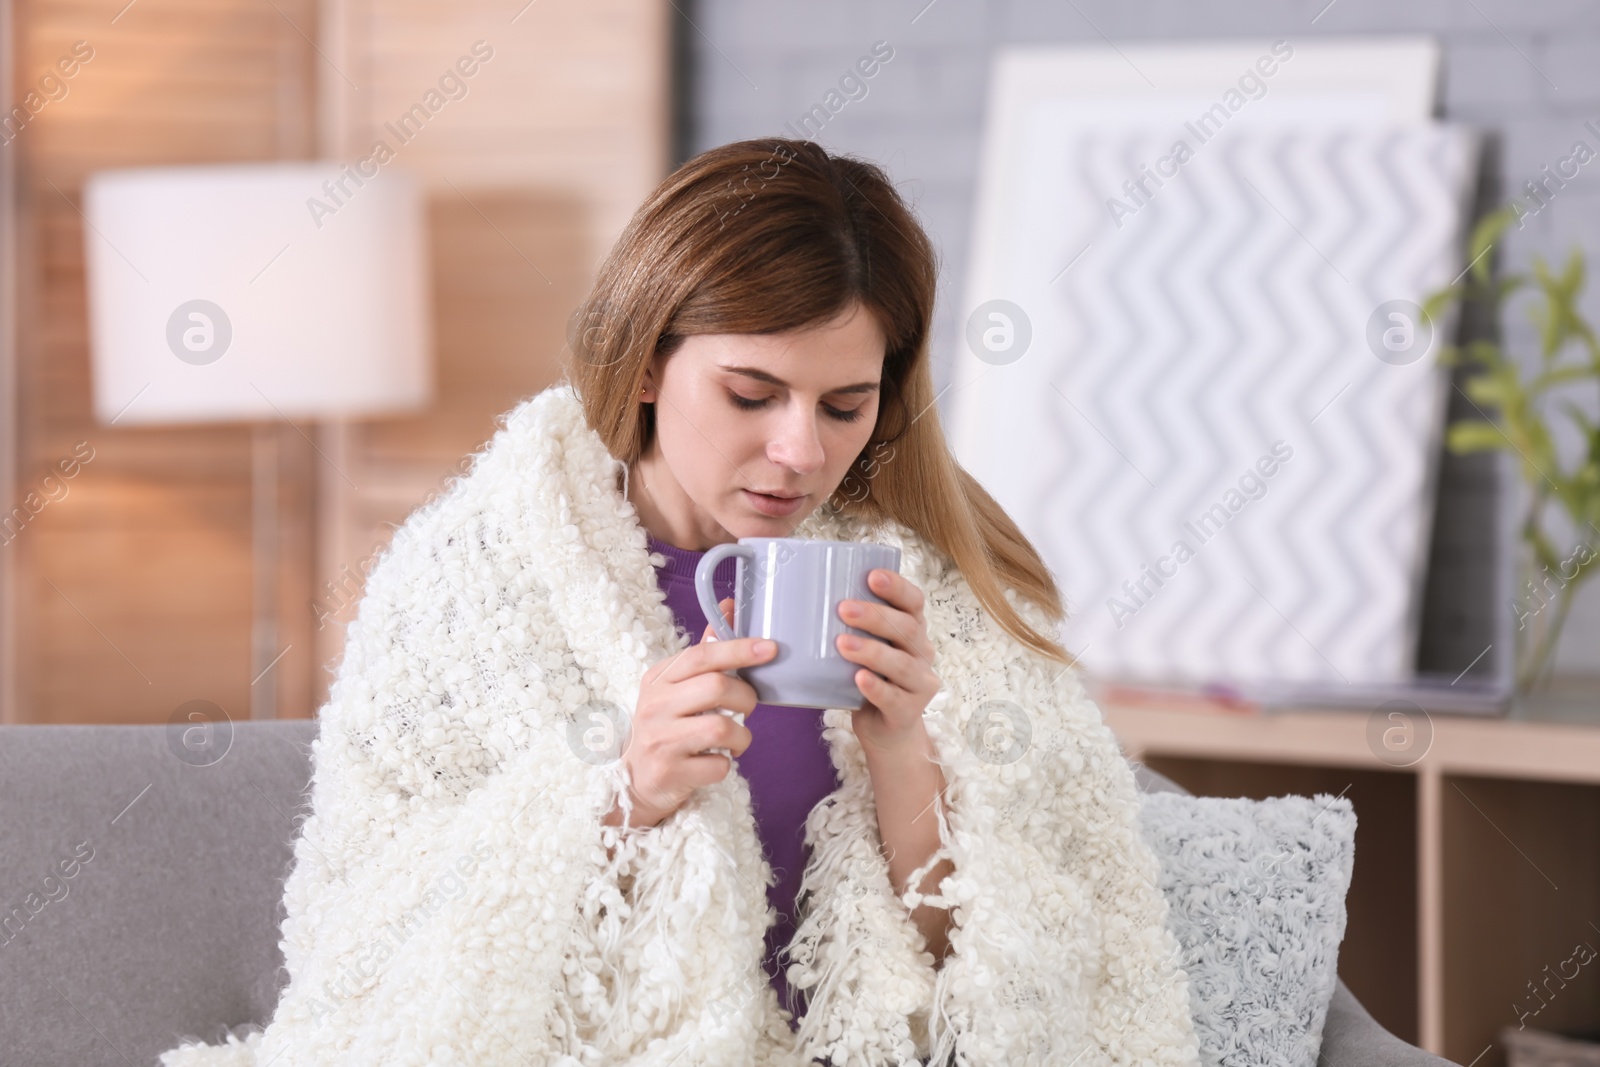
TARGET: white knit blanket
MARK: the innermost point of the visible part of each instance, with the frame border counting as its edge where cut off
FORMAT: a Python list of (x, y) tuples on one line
[(452, 900)]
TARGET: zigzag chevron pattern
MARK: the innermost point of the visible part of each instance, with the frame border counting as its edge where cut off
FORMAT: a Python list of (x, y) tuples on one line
[(1225, 317)]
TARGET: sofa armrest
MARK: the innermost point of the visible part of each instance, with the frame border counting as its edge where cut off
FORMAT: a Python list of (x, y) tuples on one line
[(1353, 1038)]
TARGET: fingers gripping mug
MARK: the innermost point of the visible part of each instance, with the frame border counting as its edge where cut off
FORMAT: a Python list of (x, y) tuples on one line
[(788, 589)]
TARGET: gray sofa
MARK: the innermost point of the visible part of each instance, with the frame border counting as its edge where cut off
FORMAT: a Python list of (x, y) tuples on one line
[(142, 888)]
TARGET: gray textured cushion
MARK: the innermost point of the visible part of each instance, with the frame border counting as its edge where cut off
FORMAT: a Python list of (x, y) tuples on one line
[(1256, 889), (1351, 1037)]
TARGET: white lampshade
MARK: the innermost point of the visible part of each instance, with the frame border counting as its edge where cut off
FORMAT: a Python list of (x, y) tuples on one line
[(259, 291)]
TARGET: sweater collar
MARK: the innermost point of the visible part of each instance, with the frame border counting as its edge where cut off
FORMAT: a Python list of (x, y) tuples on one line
[(681, 563)]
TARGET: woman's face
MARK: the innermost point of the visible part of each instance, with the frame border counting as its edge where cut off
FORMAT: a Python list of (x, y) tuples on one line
[(740, 415)]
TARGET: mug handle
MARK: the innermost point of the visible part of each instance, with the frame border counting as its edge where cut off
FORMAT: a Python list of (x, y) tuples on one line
[(703, 573)]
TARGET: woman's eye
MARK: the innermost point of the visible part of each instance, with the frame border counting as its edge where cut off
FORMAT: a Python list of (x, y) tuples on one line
[(747, 404)]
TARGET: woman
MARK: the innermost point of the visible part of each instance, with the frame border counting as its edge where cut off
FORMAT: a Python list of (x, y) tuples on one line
[(522, 846)]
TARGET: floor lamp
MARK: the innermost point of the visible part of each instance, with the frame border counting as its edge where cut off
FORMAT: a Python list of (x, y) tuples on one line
[(257, 293)]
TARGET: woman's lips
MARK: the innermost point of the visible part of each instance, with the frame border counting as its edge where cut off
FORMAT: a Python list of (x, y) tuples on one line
[(775, 506)]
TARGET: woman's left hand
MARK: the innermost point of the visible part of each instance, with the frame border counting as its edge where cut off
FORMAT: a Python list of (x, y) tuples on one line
[(891, 718)]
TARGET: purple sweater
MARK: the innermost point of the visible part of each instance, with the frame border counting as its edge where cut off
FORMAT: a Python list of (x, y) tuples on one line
[(786, 765)]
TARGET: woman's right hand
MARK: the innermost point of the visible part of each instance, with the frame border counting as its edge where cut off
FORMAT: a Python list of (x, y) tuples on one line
[(676, 721)]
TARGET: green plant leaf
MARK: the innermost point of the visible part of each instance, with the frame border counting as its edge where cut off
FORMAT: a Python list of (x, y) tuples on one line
[(1484, 236), (1558, 318), (1550, 378), (1486, 353), (1504, 287), (1572, 275), (1472, 435), (1579, 416), (1492, 389), (1436, 303), (1529, 431)]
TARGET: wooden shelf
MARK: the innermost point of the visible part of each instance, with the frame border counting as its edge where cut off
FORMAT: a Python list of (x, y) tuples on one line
[(1488, 747), (1477, 864)]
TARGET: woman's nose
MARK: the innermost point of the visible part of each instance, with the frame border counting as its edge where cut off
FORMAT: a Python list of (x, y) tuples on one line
[(798, 445)]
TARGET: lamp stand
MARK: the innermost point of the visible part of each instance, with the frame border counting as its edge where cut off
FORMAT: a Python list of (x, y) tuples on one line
[(264, 651)]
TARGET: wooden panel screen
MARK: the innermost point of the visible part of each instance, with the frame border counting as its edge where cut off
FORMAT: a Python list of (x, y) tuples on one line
[(133, 571)]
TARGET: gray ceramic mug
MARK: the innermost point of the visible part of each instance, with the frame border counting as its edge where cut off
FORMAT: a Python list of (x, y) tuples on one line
[(788, 589)]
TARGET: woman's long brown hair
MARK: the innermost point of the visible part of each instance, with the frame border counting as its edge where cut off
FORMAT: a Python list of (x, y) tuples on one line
[(769, 235)]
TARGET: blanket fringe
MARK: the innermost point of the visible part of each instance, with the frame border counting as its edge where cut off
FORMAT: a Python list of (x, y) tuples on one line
[(193, 1052)]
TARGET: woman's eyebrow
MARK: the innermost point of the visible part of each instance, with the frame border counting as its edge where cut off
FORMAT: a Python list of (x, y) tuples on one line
[(762, 376)]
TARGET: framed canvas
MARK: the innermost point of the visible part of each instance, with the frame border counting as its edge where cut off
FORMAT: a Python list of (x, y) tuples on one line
[(1193, 366)]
